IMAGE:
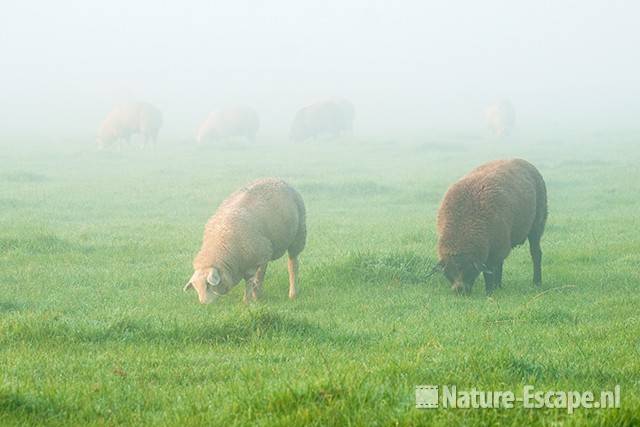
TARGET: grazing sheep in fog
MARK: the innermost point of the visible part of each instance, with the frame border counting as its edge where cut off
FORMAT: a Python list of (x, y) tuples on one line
[(232, 122), (501, 118), (128, 119), (253, 226), (330, 118), (494, 208)]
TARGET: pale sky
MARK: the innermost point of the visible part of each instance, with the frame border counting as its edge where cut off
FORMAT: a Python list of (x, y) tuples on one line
[(405, 64)]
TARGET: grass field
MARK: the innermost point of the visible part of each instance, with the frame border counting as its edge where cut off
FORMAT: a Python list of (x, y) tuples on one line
[(95, 248)]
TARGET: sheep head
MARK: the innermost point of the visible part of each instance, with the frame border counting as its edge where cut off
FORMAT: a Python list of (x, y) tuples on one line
[(208, 284), (462, 271)]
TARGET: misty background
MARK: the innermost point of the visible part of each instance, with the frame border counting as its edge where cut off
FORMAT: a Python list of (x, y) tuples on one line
[(408, 67)]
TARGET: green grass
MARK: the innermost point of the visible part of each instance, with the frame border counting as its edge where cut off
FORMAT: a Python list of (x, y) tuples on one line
[(96, 247)]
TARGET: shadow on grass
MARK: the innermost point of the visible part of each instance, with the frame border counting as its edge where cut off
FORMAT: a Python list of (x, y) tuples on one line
[(28, 408), (552, 317), (529, 370), (373, 268), (526, 370), (547, 316), (252, 326), (8, 307)]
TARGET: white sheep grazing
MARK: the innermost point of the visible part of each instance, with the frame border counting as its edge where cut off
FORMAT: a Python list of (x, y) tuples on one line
[(327, 118), (253, 226), (234, 122), (501, 118), (128, 119)]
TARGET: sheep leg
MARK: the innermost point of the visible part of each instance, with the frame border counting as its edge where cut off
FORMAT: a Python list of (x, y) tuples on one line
[(488, 282), (248, 289), (536, 257), (497, 272), (257, 281), (293, 273)]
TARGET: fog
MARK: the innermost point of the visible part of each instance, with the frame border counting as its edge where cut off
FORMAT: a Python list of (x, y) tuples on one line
[(408, 67)]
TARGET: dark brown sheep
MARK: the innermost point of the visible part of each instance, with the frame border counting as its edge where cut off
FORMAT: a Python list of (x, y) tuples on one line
[(494, 208)]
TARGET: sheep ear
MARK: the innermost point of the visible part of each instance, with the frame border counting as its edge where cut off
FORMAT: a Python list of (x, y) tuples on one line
[(188, 286), (482, 268), (214, 277)]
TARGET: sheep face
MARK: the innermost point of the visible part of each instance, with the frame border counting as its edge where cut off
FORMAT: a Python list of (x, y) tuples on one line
[(208, 284), (461, 272)]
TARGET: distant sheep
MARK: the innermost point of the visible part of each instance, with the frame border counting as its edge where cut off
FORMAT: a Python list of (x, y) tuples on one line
[(501, 118), (128, 119), (494, 208), (235, 122), (329, 118), (253, 226)]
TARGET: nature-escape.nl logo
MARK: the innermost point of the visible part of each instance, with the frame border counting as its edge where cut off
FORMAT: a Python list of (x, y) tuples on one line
[(429, 397)]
